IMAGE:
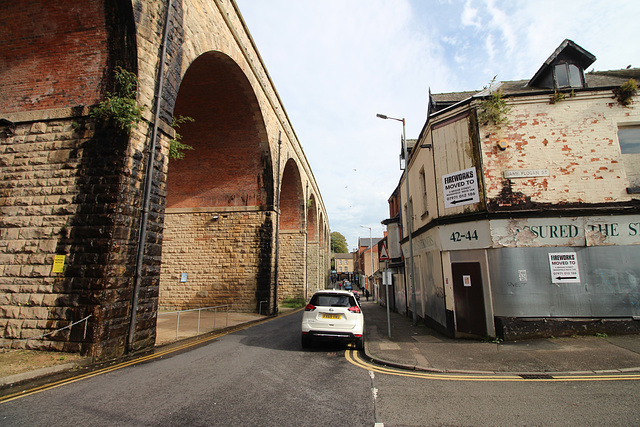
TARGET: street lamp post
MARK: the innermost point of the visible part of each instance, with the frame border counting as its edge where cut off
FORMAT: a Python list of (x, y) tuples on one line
[(409, 212)]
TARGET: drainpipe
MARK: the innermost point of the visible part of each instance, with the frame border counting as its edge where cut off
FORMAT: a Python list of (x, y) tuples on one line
[(148, 181), (275, 289)]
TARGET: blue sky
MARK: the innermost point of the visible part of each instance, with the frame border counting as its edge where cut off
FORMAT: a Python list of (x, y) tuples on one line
[(336, 63)]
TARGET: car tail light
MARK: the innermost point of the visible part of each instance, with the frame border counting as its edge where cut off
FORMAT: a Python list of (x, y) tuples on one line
[(354, 309), (310, 307)]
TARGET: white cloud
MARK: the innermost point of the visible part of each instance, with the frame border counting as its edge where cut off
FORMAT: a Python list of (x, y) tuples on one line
[(469, 16)]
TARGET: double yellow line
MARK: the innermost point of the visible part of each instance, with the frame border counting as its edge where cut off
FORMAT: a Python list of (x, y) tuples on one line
[(354, 357)]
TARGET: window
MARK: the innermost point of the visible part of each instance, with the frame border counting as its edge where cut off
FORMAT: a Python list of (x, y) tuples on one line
[(407, 212), (331, 300), (629, 139), (406, 215), (567, 75), (423, 186)]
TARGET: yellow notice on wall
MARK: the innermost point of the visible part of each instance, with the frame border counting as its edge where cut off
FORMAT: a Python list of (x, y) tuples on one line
[(58, 264)]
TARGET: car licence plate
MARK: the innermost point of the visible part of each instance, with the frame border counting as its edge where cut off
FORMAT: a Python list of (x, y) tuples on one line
[(331, 316)]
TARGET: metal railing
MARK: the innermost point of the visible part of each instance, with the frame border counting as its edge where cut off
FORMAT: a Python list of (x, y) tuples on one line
[(9, 343), (199, 310), (260, 309)]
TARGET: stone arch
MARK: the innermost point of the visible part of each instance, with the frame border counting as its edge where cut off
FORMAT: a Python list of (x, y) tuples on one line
[(291, 198), (223, 227), (312, 219), (218, 218), (292, 250)]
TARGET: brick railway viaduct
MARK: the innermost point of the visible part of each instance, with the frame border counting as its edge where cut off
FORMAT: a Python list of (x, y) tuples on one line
[(240, 217)]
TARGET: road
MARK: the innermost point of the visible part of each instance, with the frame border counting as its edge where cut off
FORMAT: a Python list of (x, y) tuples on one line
[(261, 376)]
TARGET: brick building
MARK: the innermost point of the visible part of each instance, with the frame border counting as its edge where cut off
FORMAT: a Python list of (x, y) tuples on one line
[(525, 206), (344, 264), (368, 263)]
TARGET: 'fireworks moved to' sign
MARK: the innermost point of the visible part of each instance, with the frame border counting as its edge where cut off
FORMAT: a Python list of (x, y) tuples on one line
[(460, 188)]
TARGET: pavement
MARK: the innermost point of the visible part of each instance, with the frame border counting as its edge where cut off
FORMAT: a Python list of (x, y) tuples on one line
[(420, 348)]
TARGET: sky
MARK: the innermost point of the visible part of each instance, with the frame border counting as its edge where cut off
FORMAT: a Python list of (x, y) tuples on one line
[(338, 63)]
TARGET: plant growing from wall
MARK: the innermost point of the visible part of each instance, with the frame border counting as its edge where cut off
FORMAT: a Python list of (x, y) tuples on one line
[(119, 109), (625, 93), (176, 147), (494, 109), (561, 96), (557, 97)]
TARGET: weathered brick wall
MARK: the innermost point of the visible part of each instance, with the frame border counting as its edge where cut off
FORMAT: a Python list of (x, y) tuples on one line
[(574, 139), (291, 265), (228, 259), (44, 67)]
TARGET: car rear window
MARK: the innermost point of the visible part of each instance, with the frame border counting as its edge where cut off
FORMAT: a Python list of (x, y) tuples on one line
[(333, 300)]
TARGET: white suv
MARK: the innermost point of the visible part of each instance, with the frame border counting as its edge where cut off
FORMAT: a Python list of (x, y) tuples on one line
[(333, 316)]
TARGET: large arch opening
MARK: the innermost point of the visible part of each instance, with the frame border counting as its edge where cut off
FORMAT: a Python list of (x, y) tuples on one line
[(217, 246), (291, 271)]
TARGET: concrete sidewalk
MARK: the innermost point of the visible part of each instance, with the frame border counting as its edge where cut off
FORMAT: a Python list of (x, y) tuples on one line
[(418, 347)]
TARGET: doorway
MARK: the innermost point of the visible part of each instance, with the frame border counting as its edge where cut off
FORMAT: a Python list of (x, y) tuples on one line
[(469, 298)]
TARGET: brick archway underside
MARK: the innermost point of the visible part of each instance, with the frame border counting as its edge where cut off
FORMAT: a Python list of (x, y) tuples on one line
[(229, 160)]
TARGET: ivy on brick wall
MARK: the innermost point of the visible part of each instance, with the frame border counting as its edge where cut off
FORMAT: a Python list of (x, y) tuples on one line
[(494, 108), (119, 109), (176, 147)]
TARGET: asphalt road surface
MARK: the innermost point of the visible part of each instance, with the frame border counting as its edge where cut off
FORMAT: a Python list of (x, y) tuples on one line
[(261, 376)]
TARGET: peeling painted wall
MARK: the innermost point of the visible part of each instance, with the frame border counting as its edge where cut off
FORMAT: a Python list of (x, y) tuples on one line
[(575, 140)]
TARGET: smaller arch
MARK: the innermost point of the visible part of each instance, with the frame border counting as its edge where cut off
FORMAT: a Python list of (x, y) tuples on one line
[(312, 219), (291, 198)]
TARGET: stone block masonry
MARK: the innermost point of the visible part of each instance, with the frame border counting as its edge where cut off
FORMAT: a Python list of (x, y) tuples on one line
[(67, 190), (291, 265), (313, 268), (215, 258)]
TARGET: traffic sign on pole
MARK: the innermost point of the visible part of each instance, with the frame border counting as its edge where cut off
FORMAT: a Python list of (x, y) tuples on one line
[(383, 253)]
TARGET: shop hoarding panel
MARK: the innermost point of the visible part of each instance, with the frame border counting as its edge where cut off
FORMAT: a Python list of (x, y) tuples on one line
[(522, 284)]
